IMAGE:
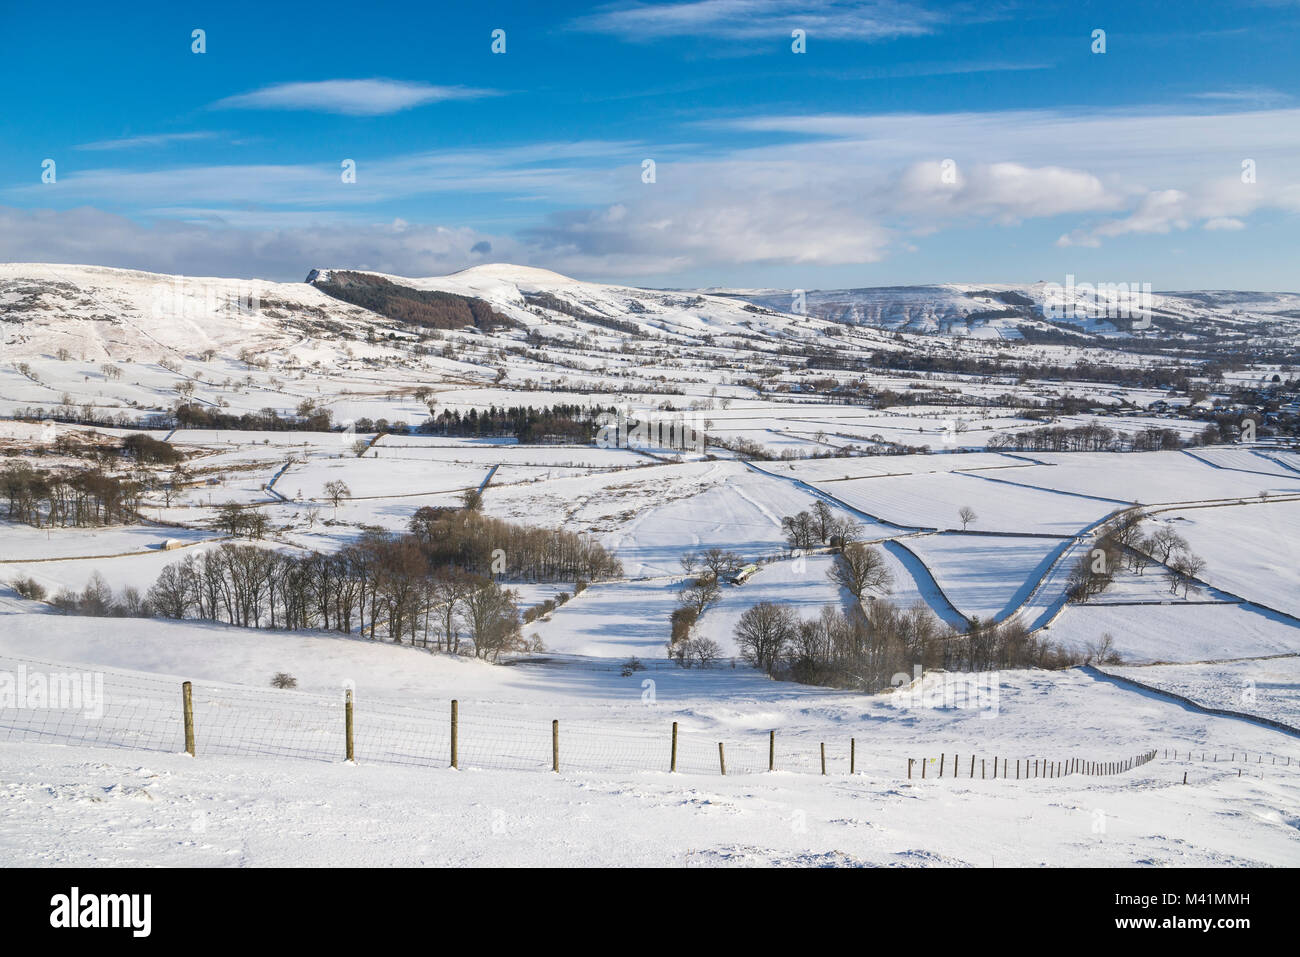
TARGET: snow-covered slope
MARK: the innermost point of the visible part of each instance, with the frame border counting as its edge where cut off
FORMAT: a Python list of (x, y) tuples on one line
[(103, 313)]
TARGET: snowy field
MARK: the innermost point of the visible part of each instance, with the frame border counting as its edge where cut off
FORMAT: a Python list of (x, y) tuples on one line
[(245, 800), (1179, 632), (986, 576), (1255, 549), (1268, 687)]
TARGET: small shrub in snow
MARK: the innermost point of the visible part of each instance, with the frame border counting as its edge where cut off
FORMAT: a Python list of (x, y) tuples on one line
[(30, 588), (284, 680)]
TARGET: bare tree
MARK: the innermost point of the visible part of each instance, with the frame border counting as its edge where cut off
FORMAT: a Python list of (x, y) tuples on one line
[(845, 531), (1164, 541), (860, 569), (492, 618), (967, 515), (1183, 570), (699, 595), (336, 491), (823, 520), (800, 530), (447, 593), (719, 562), (764, 632)]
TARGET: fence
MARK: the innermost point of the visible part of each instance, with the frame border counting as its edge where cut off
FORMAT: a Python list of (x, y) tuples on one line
[(144, 712), (1033, 767)]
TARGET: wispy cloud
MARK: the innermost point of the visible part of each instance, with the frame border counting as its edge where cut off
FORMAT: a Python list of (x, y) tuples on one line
[(146, 140), (350, 97), (559, 172), (752, 19), (1251, 96)]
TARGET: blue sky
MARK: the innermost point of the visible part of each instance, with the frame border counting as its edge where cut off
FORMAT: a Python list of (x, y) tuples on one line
[(910, 143)]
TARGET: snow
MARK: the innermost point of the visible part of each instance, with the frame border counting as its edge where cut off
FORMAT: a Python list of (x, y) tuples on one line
[(1178, 632), (934, 501), (616, 803), (268, 786), (1269, 687), (1251, 550), (986, 576)]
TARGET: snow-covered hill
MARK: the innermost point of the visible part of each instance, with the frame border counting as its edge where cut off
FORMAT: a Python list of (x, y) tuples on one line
[(541, 298), (1007, 311)]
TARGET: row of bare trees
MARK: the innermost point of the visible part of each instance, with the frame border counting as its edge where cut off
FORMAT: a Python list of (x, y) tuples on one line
[(1092, 437), (70, 497), (380, 587)]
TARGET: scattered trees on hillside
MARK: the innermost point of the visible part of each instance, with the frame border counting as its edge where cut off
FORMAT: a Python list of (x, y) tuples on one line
[(1121, 541)]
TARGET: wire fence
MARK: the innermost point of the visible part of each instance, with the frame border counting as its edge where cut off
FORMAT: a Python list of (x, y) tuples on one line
[(43, 702), (1032, 767)]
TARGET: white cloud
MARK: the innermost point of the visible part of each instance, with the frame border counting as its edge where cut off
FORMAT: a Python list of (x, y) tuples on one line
[(351, 97), (756, 19)]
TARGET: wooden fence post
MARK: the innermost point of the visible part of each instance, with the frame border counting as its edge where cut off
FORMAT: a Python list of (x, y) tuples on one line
[(909, 769), (347, 710), (187, 709), (941, 760), (673, 767), (972, 765), (823, 757), (555, 745), (924, 762), (455, 728), (853, 755), (722, 759), (771, 750)]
